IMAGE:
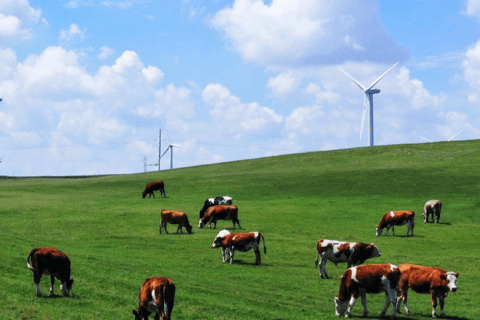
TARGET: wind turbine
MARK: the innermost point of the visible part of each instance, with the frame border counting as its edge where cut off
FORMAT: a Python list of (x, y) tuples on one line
[(170, 146), (369, 92), (447, 140)]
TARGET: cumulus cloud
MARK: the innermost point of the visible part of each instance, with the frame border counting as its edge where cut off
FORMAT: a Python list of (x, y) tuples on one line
[(16, 18), (307, 32), (472, 8), (471, 72), (105, 52), (238, 118)]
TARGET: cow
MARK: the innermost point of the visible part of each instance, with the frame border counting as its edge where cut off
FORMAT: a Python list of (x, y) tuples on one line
[(434, 208), (225, 251), (51, 262), (354, 253), (396, 218), (174, 217), (154, 186), (213, 202), (372, 278), (242, 242), (420, 279), (156, 295), (220, 212)]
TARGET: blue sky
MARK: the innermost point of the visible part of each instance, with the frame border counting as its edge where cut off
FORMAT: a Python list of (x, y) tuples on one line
[(87, 84)]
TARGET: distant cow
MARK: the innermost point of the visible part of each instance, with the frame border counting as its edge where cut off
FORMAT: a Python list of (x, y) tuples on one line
[(220, 212), (242, 242), (225, 251), (213, 202), (154, 186), (434, 208), (156, 295), (435, 281), (354, 253), (396, 218), (51, 262), (174, 217), (372, 278)]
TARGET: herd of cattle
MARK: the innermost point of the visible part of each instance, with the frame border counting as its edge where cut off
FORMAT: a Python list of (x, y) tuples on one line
[(157, 294)]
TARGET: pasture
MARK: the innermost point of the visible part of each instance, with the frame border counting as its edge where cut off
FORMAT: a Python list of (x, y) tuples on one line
[(112, 235)]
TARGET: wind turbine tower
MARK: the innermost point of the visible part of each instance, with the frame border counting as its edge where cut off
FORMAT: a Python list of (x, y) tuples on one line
[(170, 146), (368, 101)]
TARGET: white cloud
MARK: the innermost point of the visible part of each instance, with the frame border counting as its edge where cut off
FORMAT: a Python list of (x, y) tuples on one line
[(472, 8), (283, 84), (72, 33), (235, 117), (105, 52), (16, 17), (305, 32), (152, 74), (471, 72)]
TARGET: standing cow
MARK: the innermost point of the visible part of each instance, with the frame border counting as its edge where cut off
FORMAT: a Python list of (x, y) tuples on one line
[(225, 251), (220, 212), (174, 217), (434, 208), (354, 253), (213, 202), (52, 262), (373, 278), (154, 186), (396, 218), (156, 295), (242, 242), (435, 281)]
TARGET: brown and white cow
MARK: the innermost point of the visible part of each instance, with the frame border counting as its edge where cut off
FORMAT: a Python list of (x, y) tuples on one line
[(420, 279), (242, 242), (354, 253), (225, 251), (156, 295), (396, 218), (220, 212), (213, 202), (434, 208), (372, 278), (51, 262), (174, 217), (154, 186)]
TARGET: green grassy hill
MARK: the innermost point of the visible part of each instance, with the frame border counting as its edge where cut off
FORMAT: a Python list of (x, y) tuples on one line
[(111, 234)]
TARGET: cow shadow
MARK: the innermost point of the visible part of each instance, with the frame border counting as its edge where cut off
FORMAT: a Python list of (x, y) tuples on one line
[(414, 236), (418, 317), (245, 263)]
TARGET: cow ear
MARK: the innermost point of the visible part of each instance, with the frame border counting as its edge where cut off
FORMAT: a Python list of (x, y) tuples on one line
[(443, 277), (457, 275)]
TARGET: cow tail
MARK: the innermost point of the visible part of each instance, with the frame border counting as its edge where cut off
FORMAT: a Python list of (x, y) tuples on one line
[(264, 245), (30, 257), (316, 259)]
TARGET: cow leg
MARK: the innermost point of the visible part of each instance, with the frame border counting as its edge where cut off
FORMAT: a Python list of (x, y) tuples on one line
[(323, 269), (353, 299), (179, 228), (258, 258), (393, 231), (434, 305), (52, 283), (389, 298), (442, 304), (404, 298), (37, 276), (363, 295), (232, 252)]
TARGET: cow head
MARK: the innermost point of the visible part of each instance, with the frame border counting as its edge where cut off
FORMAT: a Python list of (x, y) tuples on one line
[(340, 306), (378, 231), (217, 242), (66, 290), (189, 228), (202, 222), (374, 252), (451, 278), (144, 194)]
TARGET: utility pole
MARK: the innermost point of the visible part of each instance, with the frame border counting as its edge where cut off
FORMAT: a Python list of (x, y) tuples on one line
[(159, 147)]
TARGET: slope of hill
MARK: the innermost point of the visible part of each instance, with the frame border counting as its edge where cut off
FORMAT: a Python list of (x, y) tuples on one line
[(111, 233)]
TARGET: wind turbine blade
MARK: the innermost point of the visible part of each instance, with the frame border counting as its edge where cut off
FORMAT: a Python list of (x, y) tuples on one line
[(425, 138), (354, 80), (364, 113), (167, 137), (380, 78), (178, 146), (455, 135), (165, 151)]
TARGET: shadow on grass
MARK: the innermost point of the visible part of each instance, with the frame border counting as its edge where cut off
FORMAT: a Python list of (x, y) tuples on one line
[(241, 262)]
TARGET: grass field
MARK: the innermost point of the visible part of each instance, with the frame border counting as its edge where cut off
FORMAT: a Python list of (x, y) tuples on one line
[(111, 234)]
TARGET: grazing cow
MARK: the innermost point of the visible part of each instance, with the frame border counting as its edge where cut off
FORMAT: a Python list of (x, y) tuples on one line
[(355, 253), (434, 208), (435, 281), (174, 217), (213, 202), (220, 212), (396, 218), (153, 186), (242, 242), (225, 251), (51, 262), (372, 278), (156, 295)]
